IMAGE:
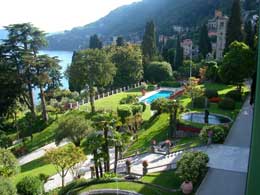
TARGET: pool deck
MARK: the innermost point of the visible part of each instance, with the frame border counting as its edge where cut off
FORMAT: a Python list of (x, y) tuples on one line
[(149, 94)]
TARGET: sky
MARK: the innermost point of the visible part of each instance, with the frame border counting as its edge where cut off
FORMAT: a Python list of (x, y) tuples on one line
[(56, 15)]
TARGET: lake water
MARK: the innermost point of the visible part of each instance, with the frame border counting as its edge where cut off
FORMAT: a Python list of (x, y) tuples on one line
[(65, 58)]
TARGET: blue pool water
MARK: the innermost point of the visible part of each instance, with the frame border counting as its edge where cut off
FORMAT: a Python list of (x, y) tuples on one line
[(161, 94)]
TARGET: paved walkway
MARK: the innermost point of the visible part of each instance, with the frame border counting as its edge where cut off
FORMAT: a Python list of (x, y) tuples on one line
[(222, 181)]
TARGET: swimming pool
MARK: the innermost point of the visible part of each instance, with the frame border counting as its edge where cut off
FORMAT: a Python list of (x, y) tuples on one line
[(160, 94)]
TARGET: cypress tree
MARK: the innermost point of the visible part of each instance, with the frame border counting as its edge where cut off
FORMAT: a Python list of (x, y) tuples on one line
[(179, 54), (234, 28), (204, 41), (94, 42), (120, 41), (149, 43), (249, 34)]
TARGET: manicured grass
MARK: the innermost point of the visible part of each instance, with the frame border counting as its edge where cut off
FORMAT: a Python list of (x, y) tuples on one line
[(186, 142), (112, 102), (140, 188), (157, 129), (167, 179), (34, 168)]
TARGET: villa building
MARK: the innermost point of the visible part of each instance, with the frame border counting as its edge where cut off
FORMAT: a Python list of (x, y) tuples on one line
[(187, 48), (217, 29)]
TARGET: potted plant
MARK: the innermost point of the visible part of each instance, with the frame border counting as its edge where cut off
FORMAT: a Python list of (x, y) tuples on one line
[(187, 187), (128, 166), (145, 165)]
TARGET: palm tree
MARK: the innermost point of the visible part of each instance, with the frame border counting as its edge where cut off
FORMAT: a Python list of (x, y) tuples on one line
[(118, 143), (172, 107), (94, 143)]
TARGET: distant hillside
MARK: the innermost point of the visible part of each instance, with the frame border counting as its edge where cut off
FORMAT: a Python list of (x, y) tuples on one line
[(130, 20)]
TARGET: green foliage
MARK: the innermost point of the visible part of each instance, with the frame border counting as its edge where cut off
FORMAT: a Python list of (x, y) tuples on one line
[(218, 134), (72, 185), (212, 71), (8, 164), (151, 88), (7, 187), (192, 166), (30, 185), (94, 42), (129, 99), (210, 93), (144, 106), (227, 104), (174, 84), (158, 71), (128, 61), (238, 63), (120, 41), (204, 42), (235, 95), (137, 108), (159, 105), (149, 43), (124, 111), (249, 34), (179, 54), (75, 128), (234, 27), (5, 140), (199, 102)]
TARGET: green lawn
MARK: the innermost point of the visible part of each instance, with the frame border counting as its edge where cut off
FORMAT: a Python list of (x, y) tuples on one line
[(34, 168)]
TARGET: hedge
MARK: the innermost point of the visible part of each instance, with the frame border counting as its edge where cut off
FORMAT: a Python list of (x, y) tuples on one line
[(227, 104), (211, 93), (173, 84), (30, 185), (235, 95), (218, 134)]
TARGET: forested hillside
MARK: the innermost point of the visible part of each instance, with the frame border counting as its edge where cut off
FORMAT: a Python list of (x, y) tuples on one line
[(131, 19)]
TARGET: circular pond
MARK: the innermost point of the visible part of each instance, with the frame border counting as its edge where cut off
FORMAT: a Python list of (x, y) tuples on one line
[(110, 192), (199, 117)]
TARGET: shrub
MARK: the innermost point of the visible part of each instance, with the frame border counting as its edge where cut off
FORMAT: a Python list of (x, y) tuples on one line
[(159, 105), (124, 111), (72, 185), (5, 140), (137, 108), (158, 71), (8, 163), (211, 93), (235, 95), (173, 84), (199, 102), (30, 185), (227, 104), (129, 99), (218, 136), (192, 166), (151, 88), (144, 106), (7, 187)]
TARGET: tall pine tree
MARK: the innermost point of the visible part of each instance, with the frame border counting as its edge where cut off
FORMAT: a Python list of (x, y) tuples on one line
[(204, 42), (149, 43), (234, 28), (179, 54)]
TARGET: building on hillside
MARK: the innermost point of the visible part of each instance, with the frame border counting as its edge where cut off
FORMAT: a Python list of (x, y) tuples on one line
[(164, 38), (217, 29), (187, 48)]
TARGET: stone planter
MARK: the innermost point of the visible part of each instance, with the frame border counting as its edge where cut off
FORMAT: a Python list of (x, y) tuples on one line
[(187, 187)]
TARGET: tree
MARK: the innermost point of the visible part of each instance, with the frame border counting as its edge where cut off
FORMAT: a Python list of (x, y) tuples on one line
[(234, 27), (7, 187), (249, 34), (204, 41), (250, 5), (5, 140), (94, 42), (75, 128), (47, 72), (158, 71), (172, 107), (23, 40), (179, 54), (149, 43), (120, 41), (94, 69), (75, 84), (118, 143), (8, 163), (65, 158), (128, 61), (238, 64), (93, 144)]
